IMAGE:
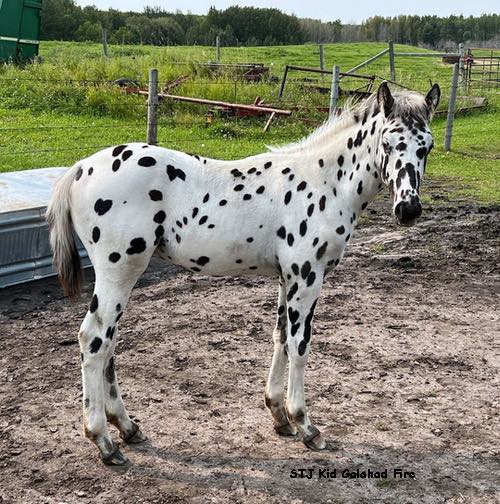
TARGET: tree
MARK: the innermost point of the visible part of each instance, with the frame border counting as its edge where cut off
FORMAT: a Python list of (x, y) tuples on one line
[(89, 32), (60, 19)]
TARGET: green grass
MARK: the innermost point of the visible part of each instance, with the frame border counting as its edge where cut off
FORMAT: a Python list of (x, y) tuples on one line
[(69, 94), (473, 165), (63, 144)]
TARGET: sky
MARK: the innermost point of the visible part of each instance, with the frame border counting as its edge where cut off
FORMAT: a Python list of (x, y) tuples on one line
[(327, 10)]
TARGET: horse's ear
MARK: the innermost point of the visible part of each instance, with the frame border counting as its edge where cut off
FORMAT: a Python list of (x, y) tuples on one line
[(432, 99), (384, 98)]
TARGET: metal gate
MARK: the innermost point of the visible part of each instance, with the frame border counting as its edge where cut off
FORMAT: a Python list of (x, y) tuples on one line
[(483, 72)]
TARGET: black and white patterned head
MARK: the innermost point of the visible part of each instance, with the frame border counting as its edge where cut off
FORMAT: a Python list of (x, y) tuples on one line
[(404, 145)]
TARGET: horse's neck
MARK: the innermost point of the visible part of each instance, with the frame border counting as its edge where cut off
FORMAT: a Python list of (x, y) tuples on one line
[(363, 167)]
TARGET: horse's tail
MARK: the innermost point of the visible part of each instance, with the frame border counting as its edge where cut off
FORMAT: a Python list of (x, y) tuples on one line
[(62, 240)]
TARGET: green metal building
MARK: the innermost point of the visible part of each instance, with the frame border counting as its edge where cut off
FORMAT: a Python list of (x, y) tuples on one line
[(19, 29)]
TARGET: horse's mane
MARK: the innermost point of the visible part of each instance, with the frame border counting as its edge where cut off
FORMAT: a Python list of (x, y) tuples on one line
[(406, 104)]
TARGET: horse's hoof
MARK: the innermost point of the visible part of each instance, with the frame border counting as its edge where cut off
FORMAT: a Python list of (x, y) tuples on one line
[(285, 430), (315, 442), (116, 458), (135, 436)]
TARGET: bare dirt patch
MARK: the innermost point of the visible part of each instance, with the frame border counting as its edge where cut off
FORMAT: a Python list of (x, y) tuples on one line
[(404, 373)]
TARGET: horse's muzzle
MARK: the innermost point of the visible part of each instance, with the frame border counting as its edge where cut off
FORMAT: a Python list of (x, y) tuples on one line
[(407, 212)]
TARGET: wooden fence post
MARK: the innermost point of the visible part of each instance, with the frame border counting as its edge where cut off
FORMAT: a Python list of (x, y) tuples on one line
[(334, 96), (321, 59), (461, 62), (152, 133), (451, 107), (105, 43), (391, 61), (217, 49)]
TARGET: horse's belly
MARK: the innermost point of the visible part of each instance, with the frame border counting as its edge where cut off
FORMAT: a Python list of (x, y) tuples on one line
[(229, 254)]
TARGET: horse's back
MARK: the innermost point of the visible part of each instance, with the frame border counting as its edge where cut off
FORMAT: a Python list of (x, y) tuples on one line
[(196, 212)]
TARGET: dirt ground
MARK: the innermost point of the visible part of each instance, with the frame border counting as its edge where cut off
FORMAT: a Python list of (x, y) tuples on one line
[(404, 373)]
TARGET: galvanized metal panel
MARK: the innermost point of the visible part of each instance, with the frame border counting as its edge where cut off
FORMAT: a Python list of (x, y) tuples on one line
[(25, 253)]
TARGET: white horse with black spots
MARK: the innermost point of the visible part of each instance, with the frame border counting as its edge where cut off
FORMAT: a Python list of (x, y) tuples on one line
[(287, 213)]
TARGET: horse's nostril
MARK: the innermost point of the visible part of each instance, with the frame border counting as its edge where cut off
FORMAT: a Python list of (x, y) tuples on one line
[(418, 209), (406, 212)]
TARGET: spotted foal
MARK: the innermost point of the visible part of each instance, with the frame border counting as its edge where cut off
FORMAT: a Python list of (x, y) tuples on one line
[(288, 213)]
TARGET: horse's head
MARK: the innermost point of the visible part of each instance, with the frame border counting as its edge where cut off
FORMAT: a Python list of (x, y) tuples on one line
[(404, 144)]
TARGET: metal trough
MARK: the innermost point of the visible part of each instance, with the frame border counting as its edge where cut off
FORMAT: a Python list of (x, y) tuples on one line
[(25, 253)]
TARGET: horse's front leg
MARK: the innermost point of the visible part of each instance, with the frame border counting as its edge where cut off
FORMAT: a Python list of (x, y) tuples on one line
[(275, 387), (301, 300)]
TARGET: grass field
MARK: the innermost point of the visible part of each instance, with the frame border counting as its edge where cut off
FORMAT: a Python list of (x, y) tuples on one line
[(65, 108)]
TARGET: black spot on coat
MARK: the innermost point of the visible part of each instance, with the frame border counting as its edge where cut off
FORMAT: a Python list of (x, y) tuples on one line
[(102, 206), (311, 278), (293, 315), (95, 345), (94, 304), (321, 251), (159, 232), (305, 270), (155, 195), (303, 228), (322, 202), (114, 257), (159, 217), (146, 161), (137, 246), (118, 150), (293, 290), (174, 173)]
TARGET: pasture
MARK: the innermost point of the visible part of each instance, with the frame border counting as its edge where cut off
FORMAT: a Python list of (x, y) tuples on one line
[(403, 371), (72, 89)]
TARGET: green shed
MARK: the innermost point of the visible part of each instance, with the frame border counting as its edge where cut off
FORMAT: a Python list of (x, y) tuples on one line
[(19, 29)]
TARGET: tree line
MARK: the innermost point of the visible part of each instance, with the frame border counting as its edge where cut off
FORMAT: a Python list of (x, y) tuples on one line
[(251, 26)]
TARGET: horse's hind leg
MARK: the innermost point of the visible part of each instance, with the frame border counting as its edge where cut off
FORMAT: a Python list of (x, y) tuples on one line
[(274, 394), (115, 409), (97, 338)]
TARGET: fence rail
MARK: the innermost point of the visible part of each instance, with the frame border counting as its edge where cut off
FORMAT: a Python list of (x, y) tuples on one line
[(307, 108)]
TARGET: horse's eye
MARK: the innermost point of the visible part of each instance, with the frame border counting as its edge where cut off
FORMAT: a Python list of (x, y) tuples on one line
[(387, 147)]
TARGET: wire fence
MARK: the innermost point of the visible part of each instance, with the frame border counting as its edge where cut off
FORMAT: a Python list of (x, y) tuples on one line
[(86, 115)]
